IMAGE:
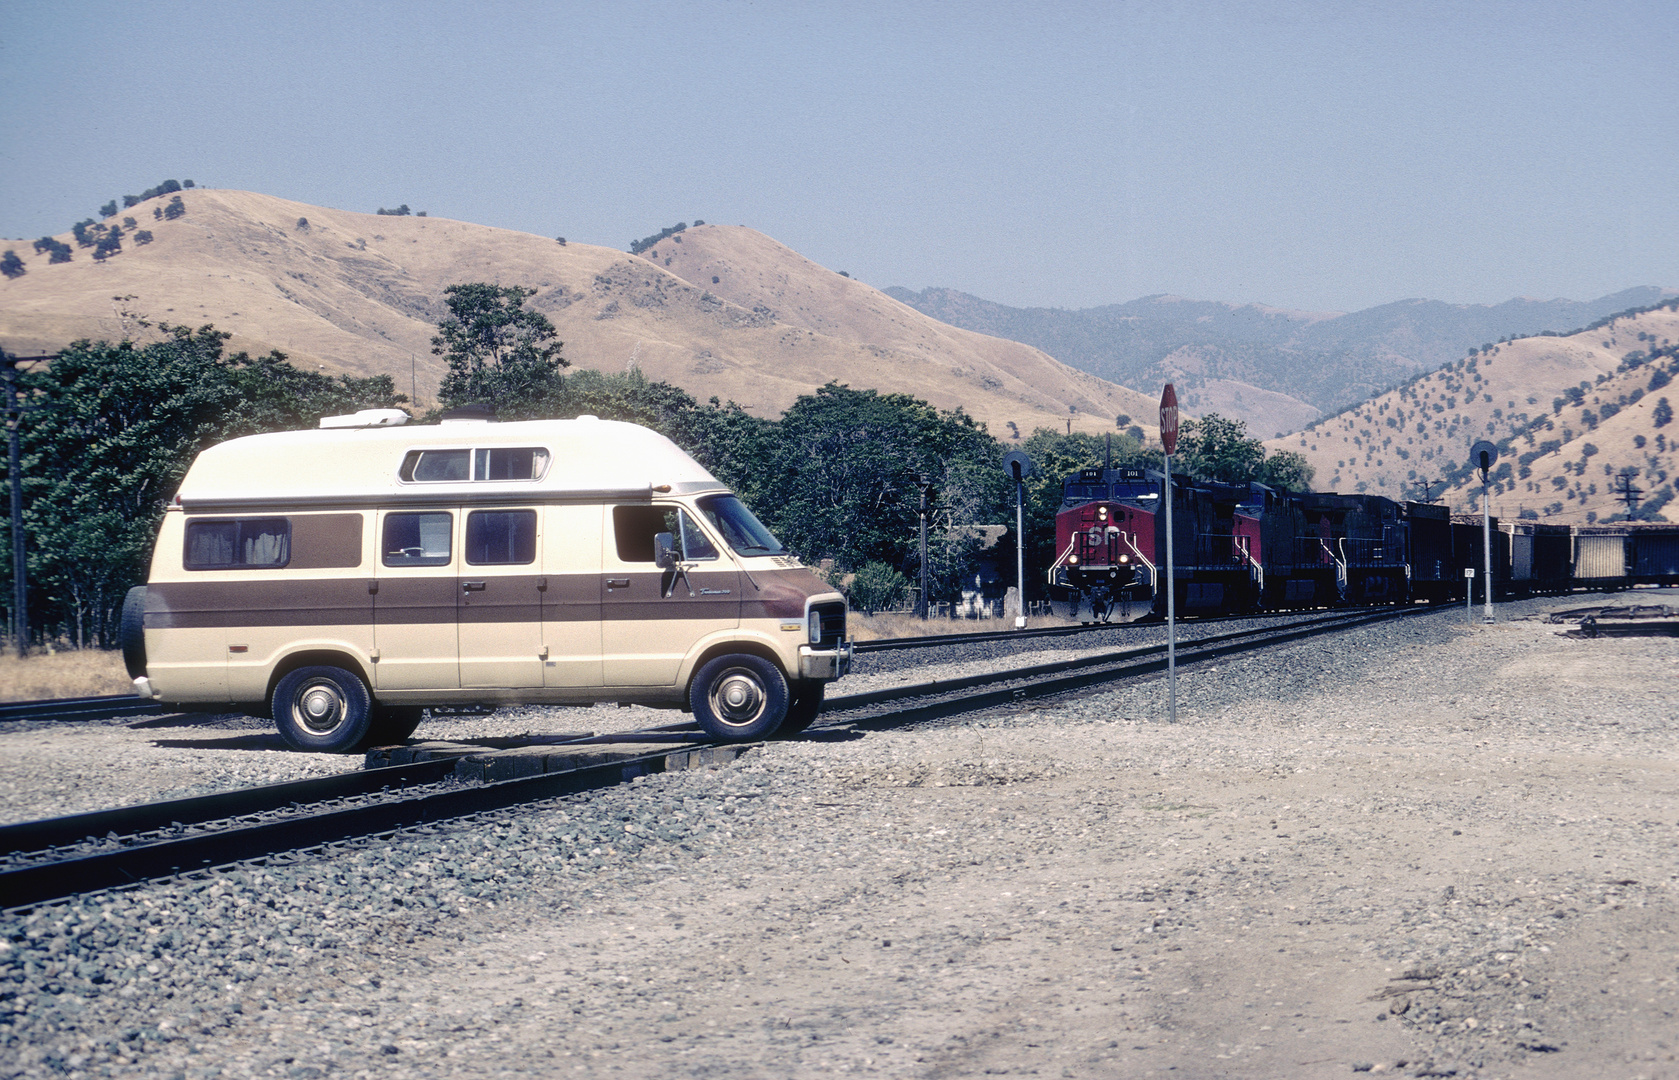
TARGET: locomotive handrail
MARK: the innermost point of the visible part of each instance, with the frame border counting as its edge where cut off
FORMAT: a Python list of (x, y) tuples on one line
[(1153, 574), (1071, 544), (1258, 570)]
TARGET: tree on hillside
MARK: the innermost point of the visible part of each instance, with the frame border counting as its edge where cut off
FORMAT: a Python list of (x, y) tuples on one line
[(11, 265), (109, 209), (498, 351)]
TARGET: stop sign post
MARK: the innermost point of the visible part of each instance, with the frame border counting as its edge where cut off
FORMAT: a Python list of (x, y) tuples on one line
[(1169, 440)]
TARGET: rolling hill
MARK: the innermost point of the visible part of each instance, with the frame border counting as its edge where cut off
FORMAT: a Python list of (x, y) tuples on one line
[(1571, 413), (361, 293), (1278, 370)]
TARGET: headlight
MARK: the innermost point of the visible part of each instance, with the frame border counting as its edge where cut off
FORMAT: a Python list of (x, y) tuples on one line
[(1102, 512), (815, 627), (1125, 558), (1072, 560)]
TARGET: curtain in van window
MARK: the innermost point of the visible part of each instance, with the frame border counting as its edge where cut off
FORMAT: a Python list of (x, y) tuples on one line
[(266, 543)]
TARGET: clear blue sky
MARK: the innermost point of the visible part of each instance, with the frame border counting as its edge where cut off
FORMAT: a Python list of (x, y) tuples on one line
[(1306, 155)]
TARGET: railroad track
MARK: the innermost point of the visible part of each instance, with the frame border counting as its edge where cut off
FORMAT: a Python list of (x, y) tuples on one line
[(41, 861), (87, 708), (935, 640)]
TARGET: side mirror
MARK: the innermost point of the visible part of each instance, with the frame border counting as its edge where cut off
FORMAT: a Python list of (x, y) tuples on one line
[(664, 551)]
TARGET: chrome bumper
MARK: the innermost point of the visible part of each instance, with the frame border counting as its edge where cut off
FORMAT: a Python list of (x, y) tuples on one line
[(824, 664)]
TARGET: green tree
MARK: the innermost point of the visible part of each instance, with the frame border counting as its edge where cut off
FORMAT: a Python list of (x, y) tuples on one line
[(11, 265), (1663, 414), (498, 351), (111, 430), (176, 208), (844, 472), (109, 209)]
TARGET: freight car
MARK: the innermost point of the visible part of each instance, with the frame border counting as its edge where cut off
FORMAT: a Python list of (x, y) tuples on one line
[(1246, 547)]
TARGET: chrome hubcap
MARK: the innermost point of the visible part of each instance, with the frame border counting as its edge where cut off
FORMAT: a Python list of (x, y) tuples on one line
[(737, 697), (320, 708)]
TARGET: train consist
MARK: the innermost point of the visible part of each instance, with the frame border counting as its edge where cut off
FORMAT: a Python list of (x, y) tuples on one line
[(1248, 547)]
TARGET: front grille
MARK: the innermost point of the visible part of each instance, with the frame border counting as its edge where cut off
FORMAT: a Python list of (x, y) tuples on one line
[(833, 624)]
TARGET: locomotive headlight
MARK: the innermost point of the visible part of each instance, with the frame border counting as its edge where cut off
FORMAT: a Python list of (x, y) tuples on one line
[(1124, 558), (1102, 513), (1072, 560)]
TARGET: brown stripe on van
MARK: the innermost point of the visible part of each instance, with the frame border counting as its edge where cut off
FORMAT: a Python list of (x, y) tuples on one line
[(290, 601), (782, 594)]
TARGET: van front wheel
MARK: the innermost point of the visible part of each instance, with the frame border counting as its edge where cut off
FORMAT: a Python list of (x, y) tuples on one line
[(739, 696), (322, 710)]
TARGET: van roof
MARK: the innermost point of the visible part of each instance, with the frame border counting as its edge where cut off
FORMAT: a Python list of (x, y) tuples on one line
[(589, 459)]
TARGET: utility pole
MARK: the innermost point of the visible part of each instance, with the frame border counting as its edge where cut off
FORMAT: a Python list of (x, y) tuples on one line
[(921, 602), (1626, 492), (14, 472)]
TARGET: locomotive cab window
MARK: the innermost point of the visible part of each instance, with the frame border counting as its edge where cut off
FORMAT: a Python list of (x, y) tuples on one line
[(238, 544)]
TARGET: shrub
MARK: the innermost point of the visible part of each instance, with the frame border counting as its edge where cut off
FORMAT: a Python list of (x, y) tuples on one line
[(11, 265), (175, 209), (143, 237), (878, 587)]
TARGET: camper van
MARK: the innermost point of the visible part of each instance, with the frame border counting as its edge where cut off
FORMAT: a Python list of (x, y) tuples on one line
[(342, 580)]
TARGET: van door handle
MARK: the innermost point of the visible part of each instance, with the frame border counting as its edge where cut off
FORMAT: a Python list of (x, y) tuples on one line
[(617, 582), (473, 586)]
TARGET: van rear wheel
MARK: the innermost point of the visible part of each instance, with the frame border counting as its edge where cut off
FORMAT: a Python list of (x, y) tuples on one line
[(739, 696), (322, 710)]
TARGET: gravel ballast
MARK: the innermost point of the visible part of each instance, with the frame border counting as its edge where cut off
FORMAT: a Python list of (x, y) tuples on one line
[(1420, 848)]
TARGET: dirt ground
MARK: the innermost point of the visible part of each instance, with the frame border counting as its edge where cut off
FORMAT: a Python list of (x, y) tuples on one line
[(1421, 849)]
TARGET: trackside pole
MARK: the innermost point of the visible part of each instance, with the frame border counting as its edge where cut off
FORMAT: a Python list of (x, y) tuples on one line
[(1482, 456), (1171, 610), (1486, 540), (1169, 443)]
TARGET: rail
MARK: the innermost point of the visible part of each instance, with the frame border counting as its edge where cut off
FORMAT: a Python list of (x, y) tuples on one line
[(196, 835)]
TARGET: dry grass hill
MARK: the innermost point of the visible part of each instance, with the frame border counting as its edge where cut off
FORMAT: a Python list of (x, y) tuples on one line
[(361, 293), (1573, 413)]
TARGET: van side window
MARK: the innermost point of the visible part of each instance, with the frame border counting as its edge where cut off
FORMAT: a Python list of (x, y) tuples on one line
[(238, 544), (421, 539), (511, 463), (635, 526), (488, 463), (436, 466), (501, 537)]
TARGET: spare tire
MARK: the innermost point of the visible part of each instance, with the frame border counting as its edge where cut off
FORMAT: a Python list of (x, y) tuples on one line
[(134, 631)]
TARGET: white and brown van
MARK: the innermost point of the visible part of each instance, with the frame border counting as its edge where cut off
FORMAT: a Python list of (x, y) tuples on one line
[(341, 580)]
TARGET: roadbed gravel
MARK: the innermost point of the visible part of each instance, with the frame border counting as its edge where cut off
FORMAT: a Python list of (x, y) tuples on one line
[(1423, 848)]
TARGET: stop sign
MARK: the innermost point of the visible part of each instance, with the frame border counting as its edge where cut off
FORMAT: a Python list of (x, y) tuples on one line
[(1169, 419)]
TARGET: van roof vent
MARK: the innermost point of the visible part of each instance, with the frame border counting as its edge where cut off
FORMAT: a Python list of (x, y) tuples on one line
[(473, 412), (367, 418)]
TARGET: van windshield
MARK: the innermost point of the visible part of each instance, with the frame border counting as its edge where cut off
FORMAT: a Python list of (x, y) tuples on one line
[(741, 530)]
